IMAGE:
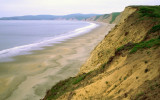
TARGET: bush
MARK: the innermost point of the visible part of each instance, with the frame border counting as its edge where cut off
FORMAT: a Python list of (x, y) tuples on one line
[(106, 82), (125, 77)]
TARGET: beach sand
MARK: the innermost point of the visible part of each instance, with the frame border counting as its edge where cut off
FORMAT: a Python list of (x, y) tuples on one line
[(30, 76)]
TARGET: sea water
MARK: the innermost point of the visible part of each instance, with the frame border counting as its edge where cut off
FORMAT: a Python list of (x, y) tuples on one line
[(21, 37)]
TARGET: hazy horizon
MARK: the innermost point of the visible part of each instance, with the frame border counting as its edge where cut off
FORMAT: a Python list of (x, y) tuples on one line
[(65, 7), (48, 14)]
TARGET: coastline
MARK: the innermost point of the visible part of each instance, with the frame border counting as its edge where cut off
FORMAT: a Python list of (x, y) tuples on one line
[(7, 54), (29, 76)]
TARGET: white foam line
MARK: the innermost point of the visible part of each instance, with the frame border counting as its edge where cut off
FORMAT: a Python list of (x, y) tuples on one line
[(5, 55)]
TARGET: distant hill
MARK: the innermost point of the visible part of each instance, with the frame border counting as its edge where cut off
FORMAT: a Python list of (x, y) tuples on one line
[(107, 18), (51, 17)]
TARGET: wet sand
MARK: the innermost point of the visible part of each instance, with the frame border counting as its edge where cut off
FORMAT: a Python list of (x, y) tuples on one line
[(30, 76)]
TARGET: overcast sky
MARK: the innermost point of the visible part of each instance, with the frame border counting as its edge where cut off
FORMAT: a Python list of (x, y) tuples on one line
[(63, 7)]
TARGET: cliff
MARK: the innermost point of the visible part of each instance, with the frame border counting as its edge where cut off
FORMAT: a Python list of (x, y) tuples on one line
[(125, 65), (112, 18)]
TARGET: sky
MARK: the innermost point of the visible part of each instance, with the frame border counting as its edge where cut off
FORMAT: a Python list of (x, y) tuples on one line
[(63, 7)]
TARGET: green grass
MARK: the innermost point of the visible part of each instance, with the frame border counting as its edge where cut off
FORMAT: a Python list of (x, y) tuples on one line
[(65, 86), (114, 15), (145, 44), (72, 83), (155, 28), (120, 48), (69, 85), (153, 13), (149, 11), (80, 78), (127, 46), (60, 88)]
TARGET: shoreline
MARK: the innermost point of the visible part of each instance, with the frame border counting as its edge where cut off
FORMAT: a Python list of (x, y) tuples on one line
[(30, 76), (7, 55)]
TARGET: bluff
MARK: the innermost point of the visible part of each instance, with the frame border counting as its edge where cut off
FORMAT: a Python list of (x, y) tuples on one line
[(123, 66), (112, 18)]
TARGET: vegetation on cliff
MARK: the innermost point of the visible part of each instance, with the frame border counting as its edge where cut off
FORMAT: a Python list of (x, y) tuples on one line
[(142, 45), (114, 15), (149, 11), (107, 18), (127, 57)]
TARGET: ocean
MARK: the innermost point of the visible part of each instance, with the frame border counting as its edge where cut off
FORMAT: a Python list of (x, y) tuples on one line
[(21, 37)]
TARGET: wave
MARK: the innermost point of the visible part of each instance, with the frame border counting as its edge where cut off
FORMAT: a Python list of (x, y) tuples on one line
[(7, 54)]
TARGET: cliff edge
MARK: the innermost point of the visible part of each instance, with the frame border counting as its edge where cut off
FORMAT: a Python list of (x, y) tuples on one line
[(124, 66)]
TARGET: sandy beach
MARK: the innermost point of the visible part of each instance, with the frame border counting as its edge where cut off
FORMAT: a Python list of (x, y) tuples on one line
[(30, 76)]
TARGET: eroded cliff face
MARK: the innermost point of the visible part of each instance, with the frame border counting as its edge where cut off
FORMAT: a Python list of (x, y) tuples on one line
[(128, 77), (121, 34), (116, 70)]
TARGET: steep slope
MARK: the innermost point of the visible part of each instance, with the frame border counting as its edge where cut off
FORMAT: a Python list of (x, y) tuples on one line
[(125, 65), (113, 40), (112, 18)]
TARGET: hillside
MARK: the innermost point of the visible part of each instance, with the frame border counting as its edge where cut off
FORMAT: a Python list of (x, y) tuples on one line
[(107, 18), (124, 66), (112, 18), (51, 17)]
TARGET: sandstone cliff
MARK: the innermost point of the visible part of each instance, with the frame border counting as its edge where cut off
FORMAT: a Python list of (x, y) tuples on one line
[(124, 66)]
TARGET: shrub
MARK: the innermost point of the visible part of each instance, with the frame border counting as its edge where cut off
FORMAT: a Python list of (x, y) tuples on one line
[(145, 62), (125, 77), (106, 82)]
